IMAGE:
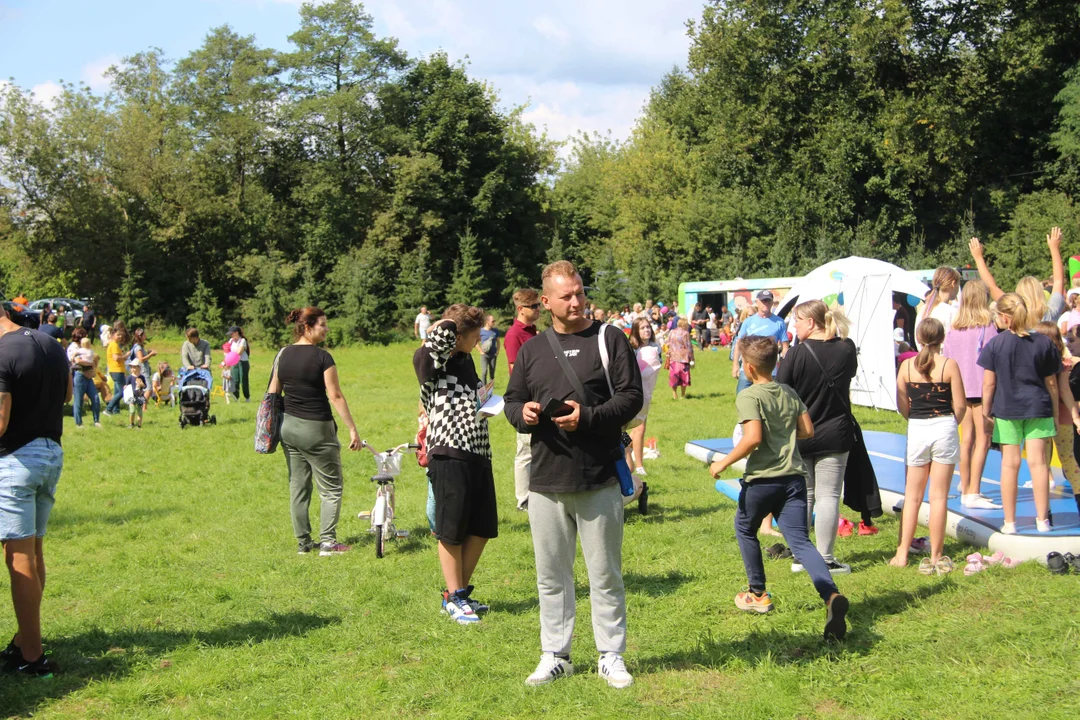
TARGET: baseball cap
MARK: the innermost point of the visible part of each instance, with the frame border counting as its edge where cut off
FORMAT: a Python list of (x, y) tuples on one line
[(134, 363), (898, 335), (765, 295)]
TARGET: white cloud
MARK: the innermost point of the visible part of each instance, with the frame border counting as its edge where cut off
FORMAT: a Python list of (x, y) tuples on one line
[(93, 73), (551, 30), (46, 93)]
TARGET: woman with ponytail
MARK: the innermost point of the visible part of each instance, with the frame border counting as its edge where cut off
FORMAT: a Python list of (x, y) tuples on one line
[(309, 378), (1019, 392), (972, 329), (938, 305), (930, 396), (820, 368)]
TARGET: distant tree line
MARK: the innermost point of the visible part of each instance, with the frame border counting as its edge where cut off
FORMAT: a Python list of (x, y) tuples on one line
[(240, 181)]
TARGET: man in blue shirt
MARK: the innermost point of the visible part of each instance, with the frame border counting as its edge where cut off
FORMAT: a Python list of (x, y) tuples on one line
[(765, 324)]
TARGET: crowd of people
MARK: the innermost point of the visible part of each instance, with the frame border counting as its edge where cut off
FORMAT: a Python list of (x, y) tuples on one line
[(578, 397)]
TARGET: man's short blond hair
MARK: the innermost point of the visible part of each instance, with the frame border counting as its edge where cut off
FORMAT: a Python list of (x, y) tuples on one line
[(523, 297), (559, 268)]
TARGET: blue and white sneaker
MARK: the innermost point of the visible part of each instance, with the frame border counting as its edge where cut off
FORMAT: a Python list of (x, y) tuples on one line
[(457, 606), (478, 607), (551, 668)]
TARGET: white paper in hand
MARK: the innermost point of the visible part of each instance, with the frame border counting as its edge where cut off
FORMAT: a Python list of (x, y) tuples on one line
[(491, 408)]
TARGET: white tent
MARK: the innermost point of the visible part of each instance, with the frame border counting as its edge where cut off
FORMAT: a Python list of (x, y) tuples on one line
[(864, 287)]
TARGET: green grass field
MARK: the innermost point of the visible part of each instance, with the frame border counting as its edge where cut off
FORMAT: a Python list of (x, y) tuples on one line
[(175, 591)]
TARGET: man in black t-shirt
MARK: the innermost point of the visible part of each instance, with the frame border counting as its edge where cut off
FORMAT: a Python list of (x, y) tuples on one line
[(89, 322), (573, 483), (34, 386), (52, 329)]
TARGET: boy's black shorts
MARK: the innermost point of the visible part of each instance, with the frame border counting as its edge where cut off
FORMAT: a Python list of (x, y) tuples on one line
[(464, 499)]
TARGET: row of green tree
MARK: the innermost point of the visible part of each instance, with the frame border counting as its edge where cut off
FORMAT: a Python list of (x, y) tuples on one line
[(806, 130), (240, 181)]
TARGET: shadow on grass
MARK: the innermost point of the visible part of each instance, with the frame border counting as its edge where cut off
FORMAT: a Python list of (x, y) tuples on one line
[(782, 648), (97, 655), (419, 540), (64, 518), (657, 585), (954, 549), (659, 514)]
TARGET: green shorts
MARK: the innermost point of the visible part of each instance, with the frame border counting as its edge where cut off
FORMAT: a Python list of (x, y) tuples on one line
[(1017, 432)]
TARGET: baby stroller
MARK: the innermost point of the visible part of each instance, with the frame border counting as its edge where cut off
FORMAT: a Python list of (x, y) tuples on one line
[(194, 394)]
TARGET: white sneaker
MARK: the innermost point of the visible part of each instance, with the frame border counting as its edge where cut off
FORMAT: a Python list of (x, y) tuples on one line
[(1042, 525), (1008, 528), (612, 668), (978, 502), (551, 668), (640, 471)]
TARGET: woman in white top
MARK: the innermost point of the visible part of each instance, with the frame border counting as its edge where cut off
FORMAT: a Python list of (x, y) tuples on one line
[(945, 288), (240, 372)]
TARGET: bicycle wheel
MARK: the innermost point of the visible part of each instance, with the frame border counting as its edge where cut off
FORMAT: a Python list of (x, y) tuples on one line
[(378, 541)]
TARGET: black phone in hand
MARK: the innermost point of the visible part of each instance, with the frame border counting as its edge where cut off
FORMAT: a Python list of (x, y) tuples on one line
[(554, 408)]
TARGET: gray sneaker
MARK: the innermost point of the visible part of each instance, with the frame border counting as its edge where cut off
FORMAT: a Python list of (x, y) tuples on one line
[(304, 546), (333, 548)]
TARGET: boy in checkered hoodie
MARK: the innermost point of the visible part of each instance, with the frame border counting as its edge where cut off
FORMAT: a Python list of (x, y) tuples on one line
[(459, 454)]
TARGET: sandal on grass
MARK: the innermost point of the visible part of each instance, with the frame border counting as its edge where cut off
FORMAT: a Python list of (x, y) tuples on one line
[(994, 559), (926, 566), (1009, 562), (774, 550), (1056, 564), (1073, 560), (944, 565)]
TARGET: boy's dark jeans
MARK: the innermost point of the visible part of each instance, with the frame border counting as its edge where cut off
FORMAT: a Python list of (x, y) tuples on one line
[(785, 498)]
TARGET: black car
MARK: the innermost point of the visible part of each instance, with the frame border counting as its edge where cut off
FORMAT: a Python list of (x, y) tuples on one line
[(21, 317)]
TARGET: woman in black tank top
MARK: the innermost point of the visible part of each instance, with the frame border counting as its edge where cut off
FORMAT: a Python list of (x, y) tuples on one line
[(930, 395)]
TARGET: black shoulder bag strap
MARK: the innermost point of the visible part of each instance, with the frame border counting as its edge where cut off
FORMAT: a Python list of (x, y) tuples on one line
[(585, 396)]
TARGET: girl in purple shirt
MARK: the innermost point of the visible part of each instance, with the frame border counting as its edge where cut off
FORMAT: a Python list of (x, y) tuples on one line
[(972, 329)]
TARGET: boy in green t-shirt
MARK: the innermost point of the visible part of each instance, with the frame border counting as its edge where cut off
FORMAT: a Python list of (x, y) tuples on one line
[(773, 418)]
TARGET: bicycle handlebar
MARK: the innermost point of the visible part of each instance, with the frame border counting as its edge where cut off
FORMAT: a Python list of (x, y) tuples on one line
[(391, 451)]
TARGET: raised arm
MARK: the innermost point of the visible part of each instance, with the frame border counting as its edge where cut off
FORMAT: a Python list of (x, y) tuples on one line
[(1053, 241), (985, 275)]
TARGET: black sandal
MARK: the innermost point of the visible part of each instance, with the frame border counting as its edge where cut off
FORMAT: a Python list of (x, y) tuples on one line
[(1073, 560), (1057, 564), (773, 551)]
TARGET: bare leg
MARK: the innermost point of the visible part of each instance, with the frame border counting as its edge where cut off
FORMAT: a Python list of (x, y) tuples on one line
[(914, 489), (470, 556), (1040, 476), (1010, 471), (27, 586), (452, 567), (766, 527), (968, 483), (982, 447), (940, 479), (635, 452)]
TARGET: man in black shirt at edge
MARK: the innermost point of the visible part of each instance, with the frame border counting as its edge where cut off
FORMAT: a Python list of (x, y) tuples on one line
[(34, 386), (574, 488)]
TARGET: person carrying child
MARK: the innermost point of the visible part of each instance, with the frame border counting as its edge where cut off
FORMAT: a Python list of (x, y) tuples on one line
[(84, 364), (773, 419), (930, 396), (1019, 391), (135, 394)]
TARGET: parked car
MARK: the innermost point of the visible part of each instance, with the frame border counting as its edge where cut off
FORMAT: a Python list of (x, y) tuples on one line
[(26, 318), (77, 305)]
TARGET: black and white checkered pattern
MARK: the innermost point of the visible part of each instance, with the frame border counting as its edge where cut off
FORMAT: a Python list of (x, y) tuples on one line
[(449, 396)]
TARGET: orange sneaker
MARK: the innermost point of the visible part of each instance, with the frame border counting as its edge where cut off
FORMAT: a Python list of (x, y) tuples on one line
[(865, 529), (845, 528), (752, 602)]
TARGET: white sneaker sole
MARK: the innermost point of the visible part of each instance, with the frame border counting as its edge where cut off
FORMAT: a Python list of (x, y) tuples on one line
[(617, 684)]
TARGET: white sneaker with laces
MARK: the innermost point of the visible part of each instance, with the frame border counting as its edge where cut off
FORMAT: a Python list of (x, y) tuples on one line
[(551, 668), (612, 668)]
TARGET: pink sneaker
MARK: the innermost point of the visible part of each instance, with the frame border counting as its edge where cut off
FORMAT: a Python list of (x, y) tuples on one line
[(867, 529), (846, 528)]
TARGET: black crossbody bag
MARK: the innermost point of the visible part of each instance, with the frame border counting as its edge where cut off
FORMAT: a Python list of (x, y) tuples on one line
[(861, 492)]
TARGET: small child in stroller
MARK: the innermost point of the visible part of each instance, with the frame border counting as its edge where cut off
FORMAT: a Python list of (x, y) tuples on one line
[(195, 386)]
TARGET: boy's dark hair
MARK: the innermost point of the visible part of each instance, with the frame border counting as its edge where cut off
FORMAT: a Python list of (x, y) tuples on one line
[(761, 352)]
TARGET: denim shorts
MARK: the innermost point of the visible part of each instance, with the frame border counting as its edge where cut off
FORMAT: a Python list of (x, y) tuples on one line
[(28, 479)]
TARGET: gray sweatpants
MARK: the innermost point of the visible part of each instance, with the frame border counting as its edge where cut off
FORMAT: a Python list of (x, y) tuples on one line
[(557, 519), (522, 463), (823, 490), (312, 450)]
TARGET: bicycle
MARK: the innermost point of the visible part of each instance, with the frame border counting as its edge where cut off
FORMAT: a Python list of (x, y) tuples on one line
[(387, 467)]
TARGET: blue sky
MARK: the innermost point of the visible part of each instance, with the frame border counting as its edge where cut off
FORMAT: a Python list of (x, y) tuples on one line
[(580, 65)]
